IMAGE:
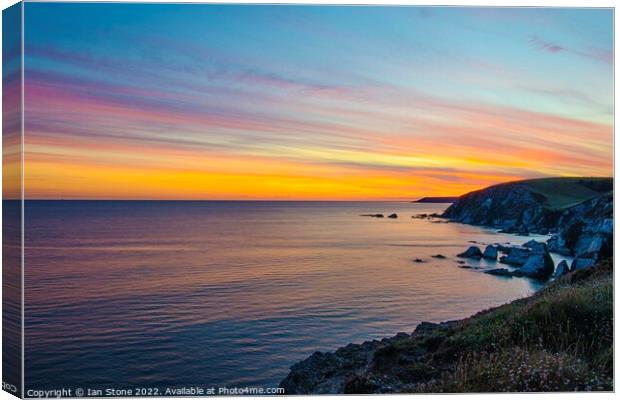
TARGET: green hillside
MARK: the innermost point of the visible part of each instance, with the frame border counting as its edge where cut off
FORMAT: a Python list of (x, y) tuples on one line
[(566, 192)]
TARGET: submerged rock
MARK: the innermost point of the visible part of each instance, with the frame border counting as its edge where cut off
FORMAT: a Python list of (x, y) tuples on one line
[(471, 252), (440, 256), (419, 260), (394, 215), (490, 252)]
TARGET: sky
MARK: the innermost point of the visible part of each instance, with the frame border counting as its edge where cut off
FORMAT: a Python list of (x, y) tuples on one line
[(139, 101)]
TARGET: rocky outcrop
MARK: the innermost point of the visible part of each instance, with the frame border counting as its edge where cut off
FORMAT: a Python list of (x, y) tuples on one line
[(510, 207), (537, 266), (516, 256), (586, 230), (536, 247), (583, 228), (471, 252), (581, 263), (393, 215), (449, 199), (532, 260), (329, 373), (490, 253)]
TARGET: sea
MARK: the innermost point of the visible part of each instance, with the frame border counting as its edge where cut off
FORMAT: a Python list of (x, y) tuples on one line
[(160, 294)]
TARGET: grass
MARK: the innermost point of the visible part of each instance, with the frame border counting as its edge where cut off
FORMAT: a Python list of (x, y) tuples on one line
[(560, 339), (566, 192)]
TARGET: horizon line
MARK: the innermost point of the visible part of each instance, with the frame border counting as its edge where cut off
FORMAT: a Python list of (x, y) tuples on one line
[(230, 200)]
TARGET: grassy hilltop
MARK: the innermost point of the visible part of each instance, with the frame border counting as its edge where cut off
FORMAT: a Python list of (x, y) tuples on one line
[(561, 193)]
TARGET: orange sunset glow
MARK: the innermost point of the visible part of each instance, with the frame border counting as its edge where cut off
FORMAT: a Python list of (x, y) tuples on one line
[(253, 119)]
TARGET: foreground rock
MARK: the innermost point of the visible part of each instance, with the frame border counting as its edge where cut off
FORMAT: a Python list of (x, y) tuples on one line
[(331, 373), (471, 252), (537, 266)]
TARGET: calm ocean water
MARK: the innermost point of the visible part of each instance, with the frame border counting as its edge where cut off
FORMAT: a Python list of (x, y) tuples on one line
[(152, 293)]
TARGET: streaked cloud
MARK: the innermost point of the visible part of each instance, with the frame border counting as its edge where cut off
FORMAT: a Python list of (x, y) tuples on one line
[(180, 105)]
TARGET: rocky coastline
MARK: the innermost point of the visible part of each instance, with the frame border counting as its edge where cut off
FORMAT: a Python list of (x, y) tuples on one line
[(581, 226)]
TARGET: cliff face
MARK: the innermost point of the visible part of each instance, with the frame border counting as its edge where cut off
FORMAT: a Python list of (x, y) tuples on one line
[(511, 207), (586, 230), (578, 211)]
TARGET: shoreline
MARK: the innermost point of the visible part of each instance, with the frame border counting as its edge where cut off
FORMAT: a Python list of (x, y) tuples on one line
[(554, 327)]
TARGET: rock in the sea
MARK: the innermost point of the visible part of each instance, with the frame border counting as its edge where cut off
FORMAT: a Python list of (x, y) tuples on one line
[(394, 215), (561, 269), (418, 260), (499, 272), (581, 263), (538, 265), (504, 248), (471, 252), (490, 252), (557, 244), (421, 216), (372, 215), (536, 247), (440, 256), (517, 257)]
